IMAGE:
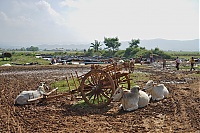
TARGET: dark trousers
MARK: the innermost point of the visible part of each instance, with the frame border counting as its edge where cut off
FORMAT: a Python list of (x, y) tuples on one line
[(177, 66), (192, 67)]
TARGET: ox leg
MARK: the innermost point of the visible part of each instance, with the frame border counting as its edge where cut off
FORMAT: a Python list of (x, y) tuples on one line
[(120, 107), (150, 96), (153, 98), (160, 98), (133, 108)]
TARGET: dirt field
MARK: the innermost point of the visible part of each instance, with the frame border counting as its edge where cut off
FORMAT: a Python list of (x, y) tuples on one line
[(180, 112)]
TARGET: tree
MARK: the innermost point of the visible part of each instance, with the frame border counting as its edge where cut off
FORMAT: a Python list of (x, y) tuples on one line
[(96, 45), (22, 49), (112, 43), (134, 43), (90, 52), (160, 53), (6, 55), (32, 48)]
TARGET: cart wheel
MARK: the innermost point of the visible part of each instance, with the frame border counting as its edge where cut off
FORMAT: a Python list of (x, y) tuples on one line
[(97, 88)]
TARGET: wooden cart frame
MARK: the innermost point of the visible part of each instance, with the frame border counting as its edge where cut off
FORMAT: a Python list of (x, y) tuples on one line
[(99, 84)]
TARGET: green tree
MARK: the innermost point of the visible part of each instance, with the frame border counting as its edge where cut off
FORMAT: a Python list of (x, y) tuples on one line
[(160, 53), (127, 52), (134, 43), (96, 45), (107, 53), (90, 52), (22, 49), (119, 53), (112, 43), (32, 48)]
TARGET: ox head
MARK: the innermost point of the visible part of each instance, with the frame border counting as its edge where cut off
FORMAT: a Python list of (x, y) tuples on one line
[(42, 84), (149, 85), (118, 94), (135, 89), (41, 87)]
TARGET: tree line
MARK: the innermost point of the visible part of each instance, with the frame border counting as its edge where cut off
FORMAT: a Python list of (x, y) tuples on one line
[(112, 49), (133, 51)]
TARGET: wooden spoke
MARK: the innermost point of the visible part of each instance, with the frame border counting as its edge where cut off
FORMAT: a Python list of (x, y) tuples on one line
[(92, 94), (98, 99), (101, 97), (105, 95), (94, 98), (89, 93), (88, 86), (89, 81)]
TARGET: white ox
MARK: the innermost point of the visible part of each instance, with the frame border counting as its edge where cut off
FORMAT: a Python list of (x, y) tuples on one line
[(24, 96), (131, 100), (157, 92)]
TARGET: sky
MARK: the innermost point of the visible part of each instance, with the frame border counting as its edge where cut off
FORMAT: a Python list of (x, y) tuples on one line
[(48, 21)]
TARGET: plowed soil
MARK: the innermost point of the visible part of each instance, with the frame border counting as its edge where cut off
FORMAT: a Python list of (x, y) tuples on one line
[(180, 112)]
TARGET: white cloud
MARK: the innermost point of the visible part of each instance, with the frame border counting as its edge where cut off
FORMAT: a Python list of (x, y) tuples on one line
[(87, 20), (51, 14), (68, 3), (3, 16), (14, 21), (45, 6), (34, 21), (39, 12)]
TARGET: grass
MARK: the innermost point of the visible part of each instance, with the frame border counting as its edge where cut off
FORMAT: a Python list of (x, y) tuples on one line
[(23, 59), (187, 57), (63, 86), (139, 76)]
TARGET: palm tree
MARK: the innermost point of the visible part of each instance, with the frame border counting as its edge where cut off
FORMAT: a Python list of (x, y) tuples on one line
[(96, 45)]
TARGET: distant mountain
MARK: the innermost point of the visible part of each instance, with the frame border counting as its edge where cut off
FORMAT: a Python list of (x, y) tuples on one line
[(162, 44), (65, 46), (42, 46), (175, 45)]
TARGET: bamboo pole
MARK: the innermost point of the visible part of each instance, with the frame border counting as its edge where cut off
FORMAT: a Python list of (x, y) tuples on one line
[(68, 83), (78, 77), (74, 81)]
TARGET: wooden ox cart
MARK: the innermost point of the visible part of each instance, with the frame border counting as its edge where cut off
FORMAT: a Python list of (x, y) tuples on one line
[(97, 86)]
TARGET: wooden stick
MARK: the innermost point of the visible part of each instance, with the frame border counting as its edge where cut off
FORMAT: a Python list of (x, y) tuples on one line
[(51, 91), (48, 98), (68, 83), (56, 96), (74, 80), (35, 99), (69, 88), (77, 77)]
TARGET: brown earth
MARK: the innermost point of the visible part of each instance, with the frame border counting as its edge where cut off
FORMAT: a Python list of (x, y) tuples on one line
[(180, 112)]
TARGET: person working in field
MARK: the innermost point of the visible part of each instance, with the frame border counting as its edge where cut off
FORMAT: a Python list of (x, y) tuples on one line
[(164, 63), (131, 65), (177, 63), (192, 61)]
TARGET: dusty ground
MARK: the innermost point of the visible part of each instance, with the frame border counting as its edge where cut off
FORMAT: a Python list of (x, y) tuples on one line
[(180, 112)]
